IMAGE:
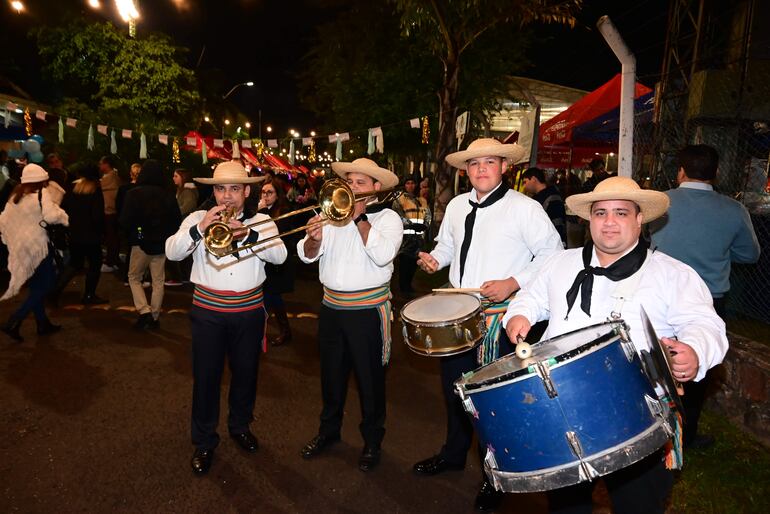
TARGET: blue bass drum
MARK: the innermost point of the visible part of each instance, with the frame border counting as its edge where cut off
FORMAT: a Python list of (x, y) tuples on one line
[(580, 407)]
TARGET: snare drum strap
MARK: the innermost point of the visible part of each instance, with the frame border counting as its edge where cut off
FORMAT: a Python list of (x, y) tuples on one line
[(626, 288), (489, 349)]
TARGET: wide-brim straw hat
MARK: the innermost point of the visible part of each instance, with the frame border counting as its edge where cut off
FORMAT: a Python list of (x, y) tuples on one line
[(653, 204), (230, 172), (368, 167), (486, 147)]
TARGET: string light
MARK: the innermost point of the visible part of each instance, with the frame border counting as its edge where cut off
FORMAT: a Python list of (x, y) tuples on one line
[(175, 151), (425, 130), (27, 122)]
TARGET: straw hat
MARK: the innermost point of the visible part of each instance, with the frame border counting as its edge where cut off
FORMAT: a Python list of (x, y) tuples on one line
[(33, 173), (230, 172), (653, 204), (368, 167), (486, 147)]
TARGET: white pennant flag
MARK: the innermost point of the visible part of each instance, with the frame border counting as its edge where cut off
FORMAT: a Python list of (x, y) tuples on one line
[(11, 106), (191, 141), (219, 143), (246, 143), (414, 123), (272, 143), (307, 141), (236, 150), (333, 138), (125, 134), (345, 136), (72, 122), (102, 129), (163, 139), (40, 115)]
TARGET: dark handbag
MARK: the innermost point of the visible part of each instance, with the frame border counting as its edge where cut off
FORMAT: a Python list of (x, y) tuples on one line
[(58, 235)]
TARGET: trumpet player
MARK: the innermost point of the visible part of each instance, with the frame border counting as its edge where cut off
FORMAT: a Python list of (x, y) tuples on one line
[(227, 317), (356, 264)]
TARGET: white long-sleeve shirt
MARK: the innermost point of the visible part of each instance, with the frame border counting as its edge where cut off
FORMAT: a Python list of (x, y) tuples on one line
[(511, 238), (675, 298), (228, 273), (346, 264)]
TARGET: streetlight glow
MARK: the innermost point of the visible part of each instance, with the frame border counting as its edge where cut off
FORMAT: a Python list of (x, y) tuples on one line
[(269, 128), (206, 119), (249, 83), (227, 122), (248, 125), (94, 4), (127, 10), (17, 6), (312, 133)]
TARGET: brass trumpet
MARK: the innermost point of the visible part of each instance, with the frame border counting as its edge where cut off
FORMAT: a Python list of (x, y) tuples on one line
[(335, 200)]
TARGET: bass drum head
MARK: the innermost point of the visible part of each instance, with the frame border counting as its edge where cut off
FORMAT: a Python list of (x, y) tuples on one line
[(560, 348), (440, 309)]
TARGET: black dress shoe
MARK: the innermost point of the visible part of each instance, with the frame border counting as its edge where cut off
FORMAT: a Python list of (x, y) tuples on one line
[(201, 461), (369, 458), (316, 445), (488, 498), (435, 465), (247, 441), (47, 327)]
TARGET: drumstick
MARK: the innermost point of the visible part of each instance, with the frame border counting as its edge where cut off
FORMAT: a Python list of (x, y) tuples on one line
[(457, 290)]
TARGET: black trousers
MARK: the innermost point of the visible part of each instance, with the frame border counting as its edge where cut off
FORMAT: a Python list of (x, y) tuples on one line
[(642, 488), (459, 430), (79, 253), (216, 335), (351, 340), (695, 393)]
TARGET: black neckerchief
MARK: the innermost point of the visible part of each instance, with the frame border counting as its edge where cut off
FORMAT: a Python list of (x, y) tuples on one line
[(371, 209), (470, 219), (618, 270)]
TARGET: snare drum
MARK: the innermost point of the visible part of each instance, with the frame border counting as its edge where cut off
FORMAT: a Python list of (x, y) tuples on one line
[(441, 324), (580, 407)]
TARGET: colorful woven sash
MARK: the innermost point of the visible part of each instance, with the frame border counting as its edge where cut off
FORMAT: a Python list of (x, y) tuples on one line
[(228, 301), (673, 449), (376, 298), (489, 349)]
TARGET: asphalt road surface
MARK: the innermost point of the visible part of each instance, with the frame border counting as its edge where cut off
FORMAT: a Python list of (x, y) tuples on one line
[(96, 418)]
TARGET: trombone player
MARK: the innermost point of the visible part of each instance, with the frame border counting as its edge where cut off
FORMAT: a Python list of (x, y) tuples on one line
[(227, 317), (356, 264)]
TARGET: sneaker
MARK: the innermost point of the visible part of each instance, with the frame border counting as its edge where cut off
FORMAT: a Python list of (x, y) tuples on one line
[(172, 283), (143, 322), (106, 268)]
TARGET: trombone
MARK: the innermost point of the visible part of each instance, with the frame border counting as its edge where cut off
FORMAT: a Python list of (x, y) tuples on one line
[(335, 200)]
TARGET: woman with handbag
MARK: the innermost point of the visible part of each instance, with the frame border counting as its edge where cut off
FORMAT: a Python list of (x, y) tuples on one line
[(30, 256), (85, 207)]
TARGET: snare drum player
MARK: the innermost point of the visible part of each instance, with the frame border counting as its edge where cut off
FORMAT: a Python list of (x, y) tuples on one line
[(582, 287), (227, 318), (355, 267), (495, 239)]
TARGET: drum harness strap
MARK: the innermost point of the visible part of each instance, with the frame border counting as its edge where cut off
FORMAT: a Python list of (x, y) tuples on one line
[(625, 291)]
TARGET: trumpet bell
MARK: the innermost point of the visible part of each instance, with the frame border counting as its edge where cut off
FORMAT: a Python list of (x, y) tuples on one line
[(218, 236), (336, 200)]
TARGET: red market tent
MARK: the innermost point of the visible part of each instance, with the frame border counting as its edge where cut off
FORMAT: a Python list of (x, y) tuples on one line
[(558, 146)]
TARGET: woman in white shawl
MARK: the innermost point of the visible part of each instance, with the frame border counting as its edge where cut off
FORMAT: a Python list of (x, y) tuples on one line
[(29, 257)]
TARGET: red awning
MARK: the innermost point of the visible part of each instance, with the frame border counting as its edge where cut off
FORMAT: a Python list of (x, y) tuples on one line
[(558, 130)]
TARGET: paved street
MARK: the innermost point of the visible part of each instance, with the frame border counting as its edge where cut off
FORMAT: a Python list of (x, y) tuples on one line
[(96, 418)]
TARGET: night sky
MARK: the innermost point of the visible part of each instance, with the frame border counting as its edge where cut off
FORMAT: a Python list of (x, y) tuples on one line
[(264, 41)]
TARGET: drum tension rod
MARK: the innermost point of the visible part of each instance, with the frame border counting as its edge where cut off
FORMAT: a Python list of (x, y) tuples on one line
[(543, 370)]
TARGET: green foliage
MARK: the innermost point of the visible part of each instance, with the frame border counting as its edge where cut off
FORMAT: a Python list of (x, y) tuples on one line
[(137, 83), (731, 476)]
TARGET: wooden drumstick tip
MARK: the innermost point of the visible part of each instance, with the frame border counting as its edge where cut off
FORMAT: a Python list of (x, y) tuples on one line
[(523, 350)]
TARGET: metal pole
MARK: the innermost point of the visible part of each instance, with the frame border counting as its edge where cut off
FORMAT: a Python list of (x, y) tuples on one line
[(627, 90)]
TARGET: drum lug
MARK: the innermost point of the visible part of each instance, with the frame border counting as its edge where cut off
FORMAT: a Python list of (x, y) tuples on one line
[(458, 331), (659, 409), (428, 342), (490, 463), (625, 341), (405, 333), (417, 333), (467, 402), (586, 471), (468, 336), (544, 372)]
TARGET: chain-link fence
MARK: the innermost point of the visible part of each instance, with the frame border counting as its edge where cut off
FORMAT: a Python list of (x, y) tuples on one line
[(728, 109)]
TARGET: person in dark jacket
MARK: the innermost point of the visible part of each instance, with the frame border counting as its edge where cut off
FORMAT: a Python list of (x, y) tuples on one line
[(549, 197), (150, 214), (85, 206), (280, 277)]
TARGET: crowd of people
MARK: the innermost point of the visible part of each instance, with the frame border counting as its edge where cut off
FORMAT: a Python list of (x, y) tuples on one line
[(555, 255)]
